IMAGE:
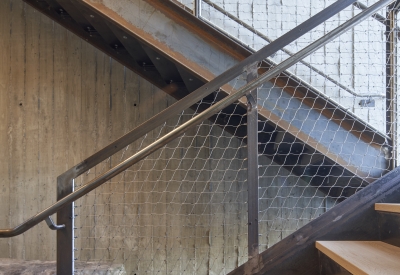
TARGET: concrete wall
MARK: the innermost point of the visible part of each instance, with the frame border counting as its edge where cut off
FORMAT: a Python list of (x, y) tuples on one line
[(61, 100)]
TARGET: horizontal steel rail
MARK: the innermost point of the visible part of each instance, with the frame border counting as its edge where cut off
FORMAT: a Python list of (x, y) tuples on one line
[(377, 16), (80, 192)]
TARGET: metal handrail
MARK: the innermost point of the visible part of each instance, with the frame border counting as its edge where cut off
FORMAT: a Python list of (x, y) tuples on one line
[(376, 16), (206, 89), (5, 233), (269, 40), (379, 17)]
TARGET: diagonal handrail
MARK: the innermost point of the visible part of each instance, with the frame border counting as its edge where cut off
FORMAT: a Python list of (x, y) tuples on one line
[(5, 233), (206, 89)]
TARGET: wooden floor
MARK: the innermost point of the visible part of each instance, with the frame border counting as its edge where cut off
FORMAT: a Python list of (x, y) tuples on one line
[(368, 257)]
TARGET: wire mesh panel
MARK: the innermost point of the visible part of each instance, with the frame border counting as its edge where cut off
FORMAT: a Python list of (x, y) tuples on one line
[(182, 210), (337, 70), (299, 179)]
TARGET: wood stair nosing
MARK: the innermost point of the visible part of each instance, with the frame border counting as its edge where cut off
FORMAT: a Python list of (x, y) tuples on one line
[(388, 207), (363, 257)]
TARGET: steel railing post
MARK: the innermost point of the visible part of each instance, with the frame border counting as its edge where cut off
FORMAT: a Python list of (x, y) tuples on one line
[(197, 8), (252, 164), (391, 81), (65, 237)]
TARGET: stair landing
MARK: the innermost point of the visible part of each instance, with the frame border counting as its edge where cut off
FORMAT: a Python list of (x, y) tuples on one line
[(367, 257)]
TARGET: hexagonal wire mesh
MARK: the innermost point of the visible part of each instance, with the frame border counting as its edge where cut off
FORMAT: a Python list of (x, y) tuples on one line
[(183, 209), (351, 72)]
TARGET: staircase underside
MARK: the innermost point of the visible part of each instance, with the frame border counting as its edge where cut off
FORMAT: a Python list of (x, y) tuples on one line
[(177, 52)]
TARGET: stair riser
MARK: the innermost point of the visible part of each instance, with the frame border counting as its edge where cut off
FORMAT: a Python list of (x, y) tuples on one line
[(389, 226), (330, 267)]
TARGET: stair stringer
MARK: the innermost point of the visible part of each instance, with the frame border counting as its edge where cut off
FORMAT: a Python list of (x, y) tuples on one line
[(354, 219), (187, 43), (194, 49)]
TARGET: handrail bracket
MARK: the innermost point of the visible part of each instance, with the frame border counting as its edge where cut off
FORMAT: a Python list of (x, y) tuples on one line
[(52, 225)]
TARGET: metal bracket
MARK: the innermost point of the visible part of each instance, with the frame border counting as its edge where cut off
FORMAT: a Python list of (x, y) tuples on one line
[(63, 13), (251, 102), (52, 225), (251, 73), (252, 69), (367, 102)]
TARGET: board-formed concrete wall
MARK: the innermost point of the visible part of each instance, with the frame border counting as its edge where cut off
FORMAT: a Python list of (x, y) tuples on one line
[(61, 100)]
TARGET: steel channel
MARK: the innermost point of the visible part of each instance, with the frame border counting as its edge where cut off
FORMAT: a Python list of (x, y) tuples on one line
[(252, 165), (197, 8), (80, 192), (65, 237), (391, 83)]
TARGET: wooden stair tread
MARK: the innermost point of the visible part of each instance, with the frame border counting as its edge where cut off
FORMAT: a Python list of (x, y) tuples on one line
[(366, 257), (388, 207)]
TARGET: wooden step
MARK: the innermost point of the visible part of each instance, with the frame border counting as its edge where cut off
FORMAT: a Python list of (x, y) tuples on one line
[(388, 207), (367, 257)]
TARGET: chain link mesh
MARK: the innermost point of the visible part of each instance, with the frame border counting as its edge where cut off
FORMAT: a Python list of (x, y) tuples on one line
[(183, 209), (338, 70)]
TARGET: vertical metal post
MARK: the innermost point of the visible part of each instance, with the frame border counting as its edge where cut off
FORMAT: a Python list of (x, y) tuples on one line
[(197, 8), (252, 165), (65, 237), (391, 81)]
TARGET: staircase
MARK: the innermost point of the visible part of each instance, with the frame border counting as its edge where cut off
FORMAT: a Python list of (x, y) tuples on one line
[(182, 55), (360, 236), (176, 51), (366, 257)]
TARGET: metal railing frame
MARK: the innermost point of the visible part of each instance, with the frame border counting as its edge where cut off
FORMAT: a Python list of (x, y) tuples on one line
[(66, 193), (197, 13), (342, 112), (392, 33), (65, 181)]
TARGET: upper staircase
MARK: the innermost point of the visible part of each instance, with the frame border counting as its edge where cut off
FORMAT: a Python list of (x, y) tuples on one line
[(179, 53)]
